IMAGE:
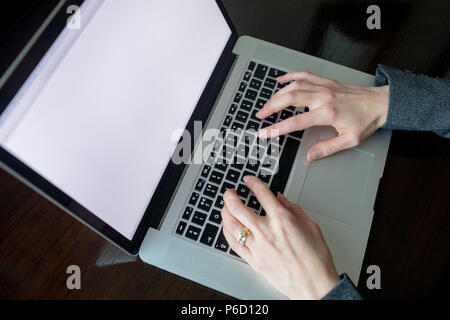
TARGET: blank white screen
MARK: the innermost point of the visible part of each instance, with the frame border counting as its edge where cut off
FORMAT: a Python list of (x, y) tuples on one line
[(100, 128)]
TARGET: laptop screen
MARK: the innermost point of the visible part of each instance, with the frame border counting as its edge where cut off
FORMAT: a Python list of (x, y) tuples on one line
[(96, 117)]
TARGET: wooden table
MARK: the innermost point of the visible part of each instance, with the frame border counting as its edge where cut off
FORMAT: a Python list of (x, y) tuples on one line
[(410, 238)]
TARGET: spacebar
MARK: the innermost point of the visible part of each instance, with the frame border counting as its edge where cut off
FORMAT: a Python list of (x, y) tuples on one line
[(285, 166)]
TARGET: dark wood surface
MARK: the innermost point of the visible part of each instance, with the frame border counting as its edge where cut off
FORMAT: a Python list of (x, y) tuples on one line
[(410, 236)]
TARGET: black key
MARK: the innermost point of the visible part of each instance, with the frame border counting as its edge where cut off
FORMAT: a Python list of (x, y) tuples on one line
[(226, 186), (253, 165), (219, 202), (297, 134), (274, 73), (233, 175), (266, 93), (181, 226), (251, 95), (265, 125), (263, 213), (205, 204), (233, 108), (194, 198), (264, 177), (205, 171), (216, 177), (234, 253), (247, 173), (255, 84), (274, 149), (199, 218), (270, 83), (238, 164), (242, 86), (261, 71), (254, 117), (211, 190), (273, 118), (221, 166), (236, 126), (242, 191), (246, 105), (215, 217), (253, 203), (209, 234), (260, 103), (285, 166), (252, 125), (238, 97), (221, 242), (291, 108), (227, 121), (285, 114), (269, 162), (251, 66), (242, 116), (200, 184), (193, 233), (247, 75), (187, 213)]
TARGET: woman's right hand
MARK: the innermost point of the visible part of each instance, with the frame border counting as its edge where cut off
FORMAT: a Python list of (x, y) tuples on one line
[(356, 112)]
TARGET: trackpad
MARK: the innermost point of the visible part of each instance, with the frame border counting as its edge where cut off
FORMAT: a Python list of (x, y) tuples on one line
[(335, 187)]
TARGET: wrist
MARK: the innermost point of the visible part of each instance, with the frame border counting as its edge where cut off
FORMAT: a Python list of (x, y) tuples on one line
[(381, 105)]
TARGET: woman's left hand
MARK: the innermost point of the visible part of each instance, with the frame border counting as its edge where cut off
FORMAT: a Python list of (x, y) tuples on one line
[(285, 246)]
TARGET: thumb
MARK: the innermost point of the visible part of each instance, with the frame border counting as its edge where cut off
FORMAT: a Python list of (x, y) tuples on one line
[(328, 147)]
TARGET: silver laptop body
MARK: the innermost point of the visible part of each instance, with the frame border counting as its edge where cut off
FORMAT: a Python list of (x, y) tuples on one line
[(338, 193)]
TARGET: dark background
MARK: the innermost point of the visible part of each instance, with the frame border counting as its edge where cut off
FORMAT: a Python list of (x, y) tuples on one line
[(410, 236)]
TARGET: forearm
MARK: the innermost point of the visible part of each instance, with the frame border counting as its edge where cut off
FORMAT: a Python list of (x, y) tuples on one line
[(416, 102)]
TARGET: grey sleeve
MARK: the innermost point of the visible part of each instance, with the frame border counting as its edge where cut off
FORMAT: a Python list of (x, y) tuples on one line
[(416, 102), (344, 290)]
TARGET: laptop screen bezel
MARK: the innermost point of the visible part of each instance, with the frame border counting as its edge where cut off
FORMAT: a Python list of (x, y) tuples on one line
[(172, 174)]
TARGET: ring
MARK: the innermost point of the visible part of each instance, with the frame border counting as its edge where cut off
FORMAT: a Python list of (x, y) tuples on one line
[(243, 236)]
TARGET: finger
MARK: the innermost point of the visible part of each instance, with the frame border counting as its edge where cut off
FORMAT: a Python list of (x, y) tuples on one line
[(240, 211), (298, 85), (234, 228), (293, 98), (244, 252), (304, 75), (331, 146), (264, 195), (296, 123)]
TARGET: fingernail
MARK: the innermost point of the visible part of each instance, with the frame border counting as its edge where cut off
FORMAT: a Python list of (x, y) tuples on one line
[(246, 179), (258, 114), (314, 155)]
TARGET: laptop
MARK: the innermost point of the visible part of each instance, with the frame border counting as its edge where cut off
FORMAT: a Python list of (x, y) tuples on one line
[(92, 114)]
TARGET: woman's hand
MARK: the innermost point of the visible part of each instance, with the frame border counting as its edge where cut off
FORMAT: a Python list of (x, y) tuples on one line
[(284, 246), (355, 112)]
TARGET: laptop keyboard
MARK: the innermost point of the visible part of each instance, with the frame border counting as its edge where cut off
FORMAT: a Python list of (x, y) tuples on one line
[(238, 153)]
